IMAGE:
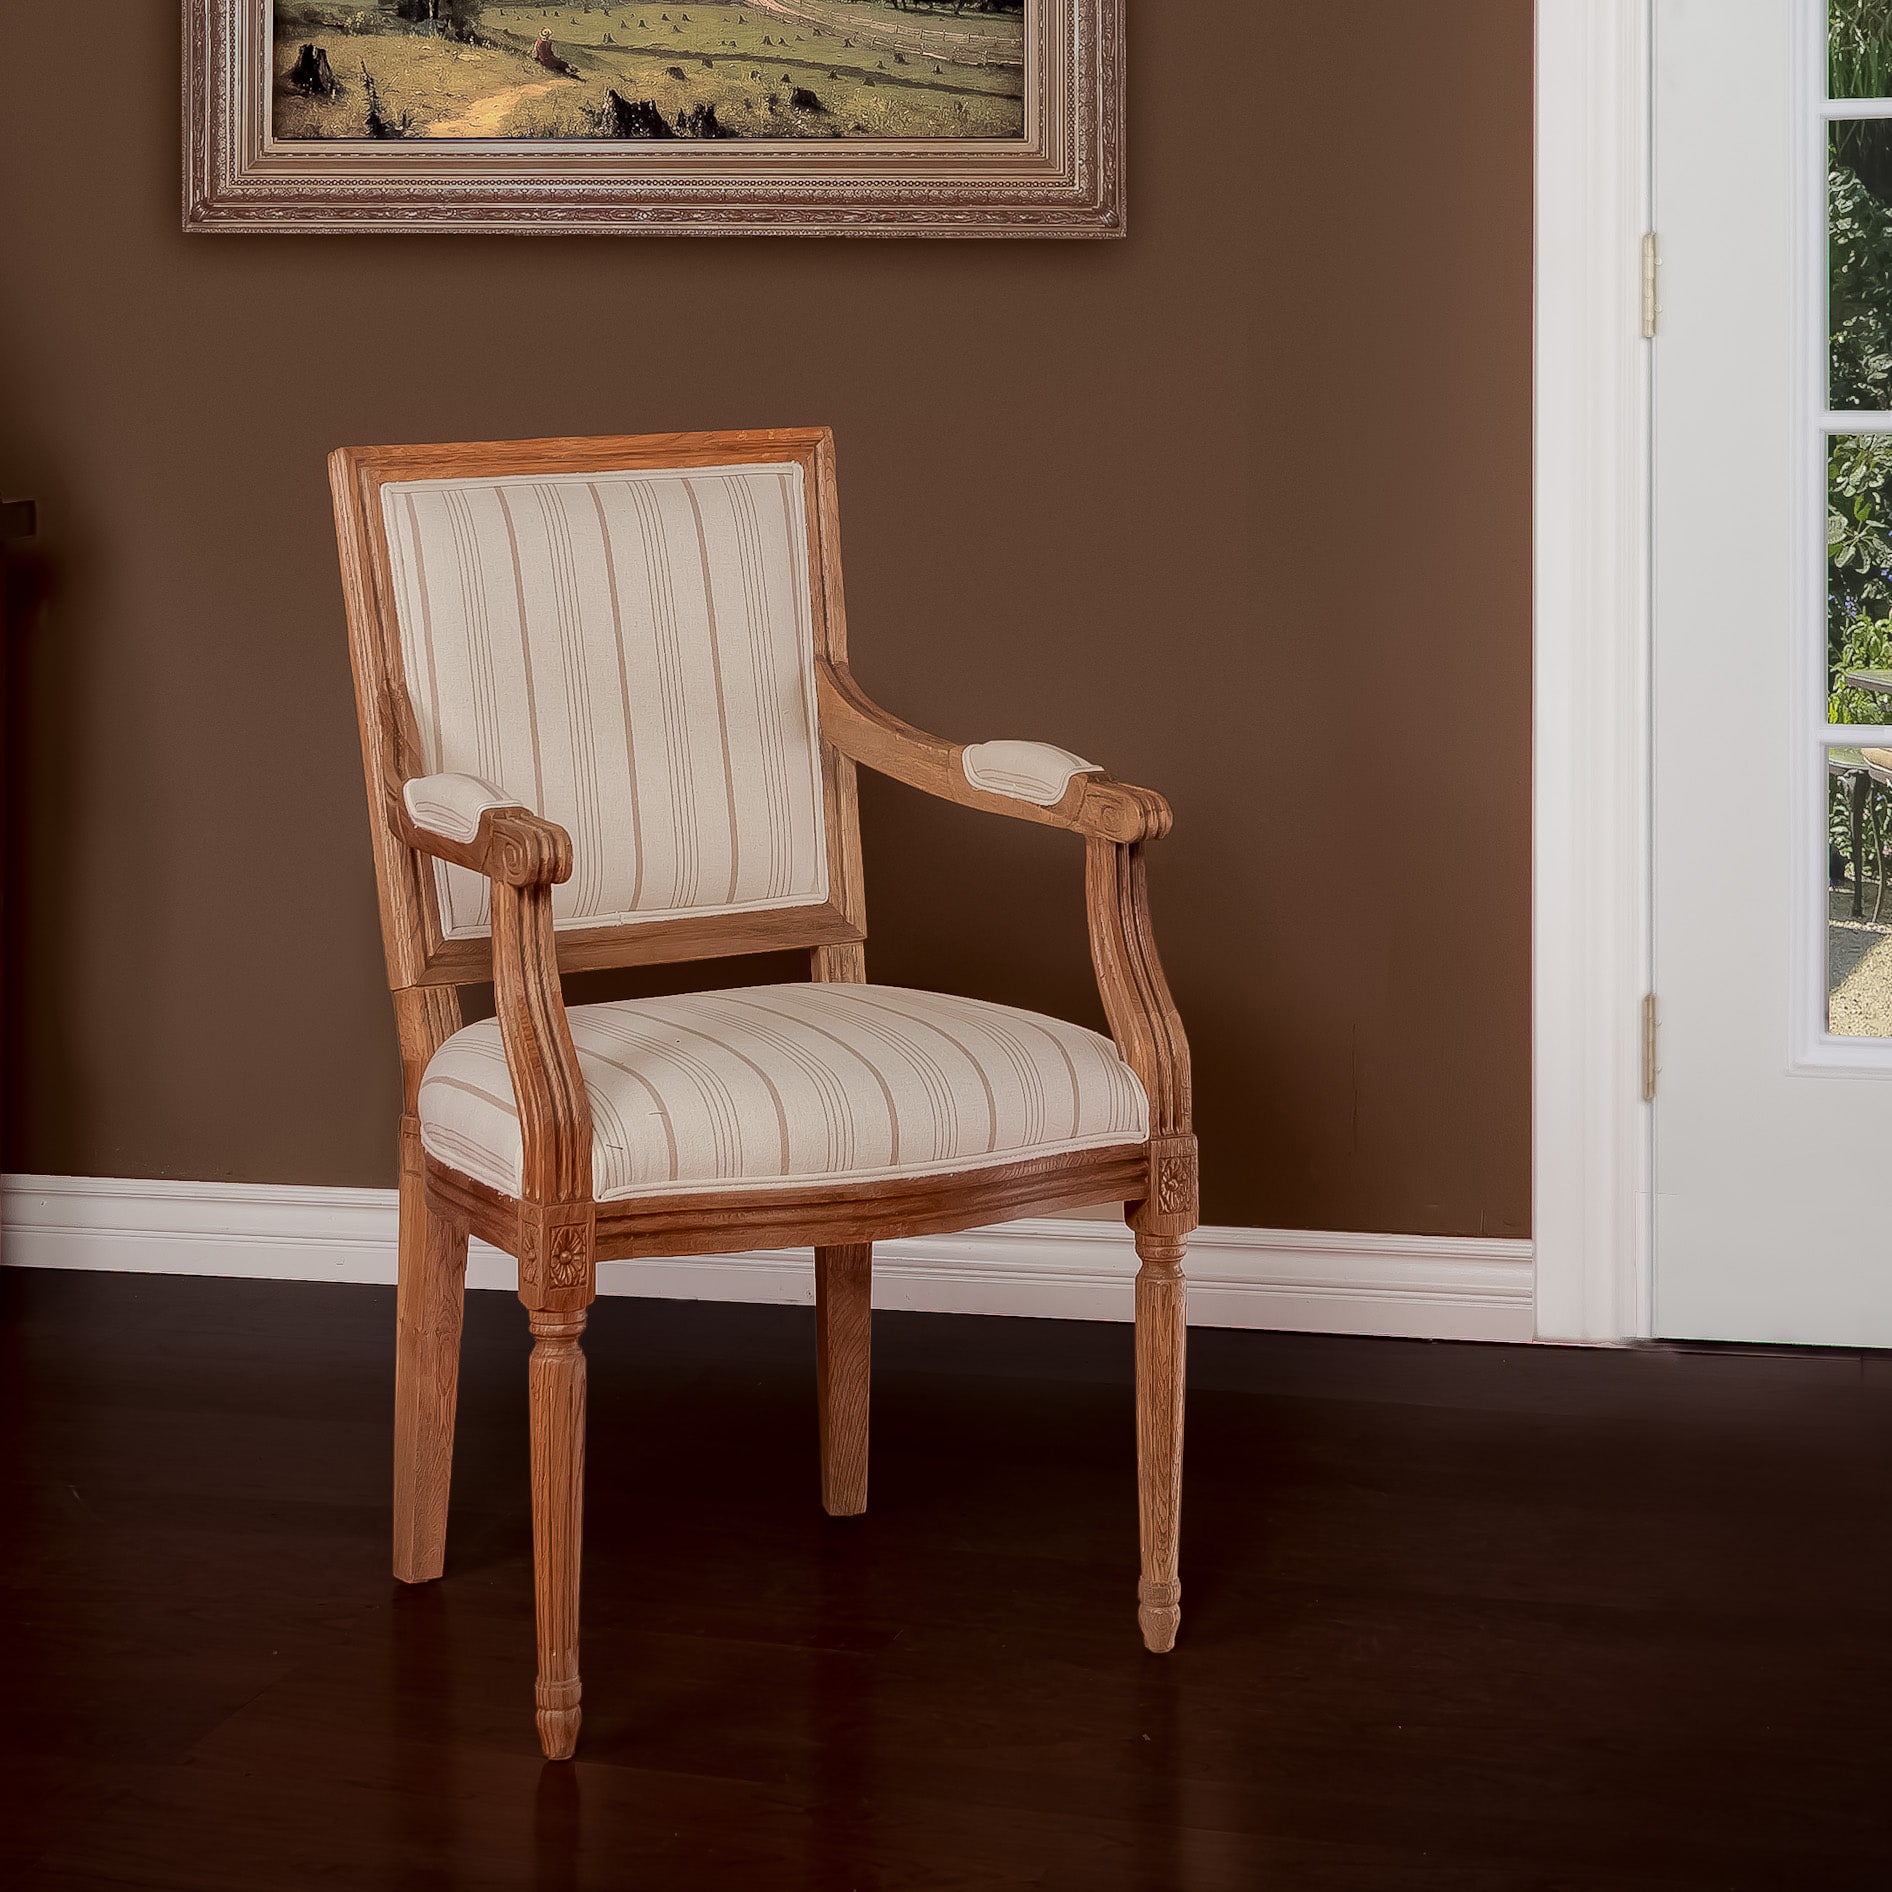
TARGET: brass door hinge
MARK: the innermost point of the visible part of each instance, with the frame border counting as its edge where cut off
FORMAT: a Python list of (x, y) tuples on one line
[(1651, 308), (1649, 1049)]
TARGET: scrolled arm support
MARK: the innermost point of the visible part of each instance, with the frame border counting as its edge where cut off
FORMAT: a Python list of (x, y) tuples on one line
[(524, 852), (1146, 1026), (524, 857)]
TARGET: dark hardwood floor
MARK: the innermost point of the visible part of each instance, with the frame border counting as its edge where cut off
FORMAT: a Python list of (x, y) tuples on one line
[(1453, 1616)]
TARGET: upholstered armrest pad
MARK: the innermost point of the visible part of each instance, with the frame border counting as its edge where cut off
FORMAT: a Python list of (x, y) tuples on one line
[(1026, 771), (452, 804)]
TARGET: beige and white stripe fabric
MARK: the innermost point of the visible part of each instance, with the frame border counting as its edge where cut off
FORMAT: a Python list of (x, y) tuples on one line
[(788, 1085), (631, 655)]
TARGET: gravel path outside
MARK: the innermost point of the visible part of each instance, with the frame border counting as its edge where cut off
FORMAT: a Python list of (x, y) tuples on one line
[(1858, 968)]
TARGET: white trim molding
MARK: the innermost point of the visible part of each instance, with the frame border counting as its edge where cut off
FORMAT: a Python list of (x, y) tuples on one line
[(1591, 1139), (1428, 1286)]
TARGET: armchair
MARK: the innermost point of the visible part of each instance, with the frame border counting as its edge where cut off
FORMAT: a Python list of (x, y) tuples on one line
[(607, 719)]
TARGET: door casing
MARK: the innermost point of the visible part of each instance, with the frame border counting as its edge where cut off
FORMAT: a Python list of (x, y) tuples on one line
[(1591, 1128)]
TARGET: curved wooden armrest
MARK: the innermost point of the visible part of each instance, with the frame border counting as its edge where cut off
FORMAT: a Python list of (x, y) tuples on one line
[(511, 845), (1092, 803)]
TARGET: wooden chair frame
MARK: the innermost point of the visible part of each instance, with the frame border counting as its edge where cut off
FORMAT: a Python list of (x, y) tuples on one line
[(555, 1228)]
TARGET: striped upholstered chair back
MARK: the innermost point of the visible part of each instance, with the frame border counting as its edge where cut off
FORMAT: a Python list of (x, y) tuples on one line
[(630, 652)]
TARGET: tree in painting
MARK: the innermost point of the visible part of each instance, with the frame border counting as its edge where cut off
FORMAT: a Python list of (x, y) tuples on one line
[(456, 18)]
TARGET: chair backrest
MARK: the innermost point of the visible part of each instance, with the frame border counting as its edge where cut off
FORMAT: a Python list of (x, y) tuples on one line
[(623, 635)]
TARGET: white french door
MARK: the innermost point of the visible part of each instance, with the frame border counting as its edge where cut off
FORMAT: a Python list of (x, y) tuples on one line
[(1771, 625)]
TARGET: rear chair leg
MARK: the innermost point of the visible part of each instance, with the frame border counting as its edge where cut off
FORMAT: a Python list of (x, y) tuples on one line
[(1161, 1337), (843, 1372), (428, 1306)]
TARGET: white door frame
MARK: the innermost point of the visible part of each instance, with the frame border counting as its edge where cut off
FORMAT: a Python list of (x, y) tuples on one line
[(1590, 714)]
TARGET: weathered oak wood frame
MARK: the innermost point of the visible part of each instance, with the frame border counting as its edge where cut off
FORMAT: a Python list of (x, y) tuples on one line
[(1064, 178), (555, 1227)]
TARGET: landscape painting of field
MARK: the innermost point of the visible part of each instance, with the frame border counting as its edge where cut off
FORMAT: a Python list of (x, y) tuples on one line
[(485, 69)]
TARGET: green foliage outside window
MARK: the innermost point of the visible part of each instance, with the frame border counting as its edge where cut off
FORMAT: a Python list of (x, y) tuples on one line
[(1859, 49), (1859, 489), (1859, 571), (1859, 238), (1859, 471)]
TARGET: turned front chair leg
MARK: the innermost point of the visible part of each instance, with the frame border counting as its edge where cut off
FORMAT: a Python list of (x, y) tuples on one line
[(557, 1383), (1161, 1337), (428, 1306), (844, 1318)]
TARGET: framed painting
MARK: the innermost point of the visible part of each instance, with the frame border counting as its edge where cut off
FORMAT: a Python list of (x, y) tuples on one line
[(960, 118)]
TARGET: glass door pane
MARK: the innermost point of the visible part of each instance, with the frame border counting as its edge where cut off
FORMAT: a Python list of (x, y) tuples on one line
[(1859, 578), (1859, 262), (1858, 905), (1857, 842), (1859, 49)]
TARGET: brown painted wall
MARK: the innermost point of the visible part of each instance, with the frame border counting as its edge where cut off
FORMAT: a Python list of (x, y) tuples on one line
[(1238, 506)]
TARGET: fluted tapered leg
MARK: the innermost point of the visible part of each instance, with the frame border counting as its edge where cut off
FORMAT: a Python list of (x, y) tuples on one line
[(844, 1317), (428, 1306), (1161, 1338), (556, 1376)]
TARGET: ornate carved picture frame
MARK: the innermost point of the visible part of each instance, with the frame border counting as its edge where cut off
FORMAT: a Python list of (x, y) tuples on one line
[(943, 118)]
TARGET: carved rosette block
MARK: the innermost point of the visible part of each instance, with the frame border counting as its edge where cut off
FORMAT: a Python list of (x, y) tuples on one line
[(1171, 1207), (556, 1246), (1176, 1182)]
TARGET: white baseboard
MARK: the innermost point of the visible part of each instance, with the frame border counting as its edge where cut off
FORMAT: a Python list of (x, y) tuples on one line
[(1428, 1286)]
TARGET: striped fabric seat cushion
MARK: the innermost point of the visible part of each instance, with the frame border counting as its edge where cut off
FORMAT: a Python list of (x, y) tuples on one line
[(630, 655), (794, 1084)]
